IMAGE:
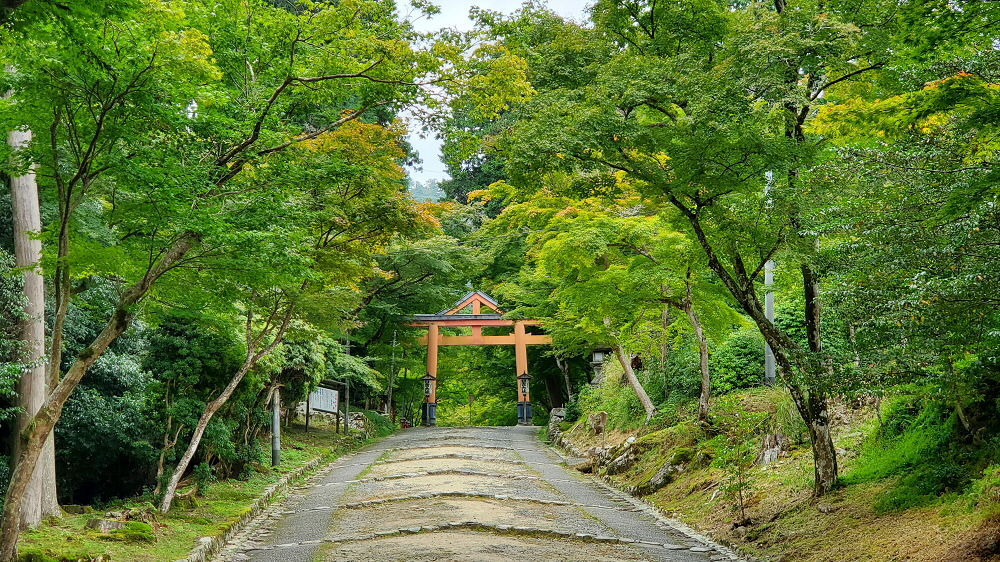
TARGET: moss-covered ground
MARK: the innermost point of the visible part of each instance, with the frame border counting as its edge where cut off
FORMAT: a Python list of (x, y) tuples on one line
[(912, 491)]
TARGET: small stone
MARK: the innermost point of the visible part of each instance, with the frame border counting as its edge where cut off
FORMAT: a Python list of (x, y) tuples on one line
[(700, 549), (107, 525)]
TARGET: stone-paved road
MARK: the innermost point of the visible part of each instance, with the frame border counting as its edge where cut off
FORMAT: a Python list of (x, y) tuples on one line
[(489, 493)]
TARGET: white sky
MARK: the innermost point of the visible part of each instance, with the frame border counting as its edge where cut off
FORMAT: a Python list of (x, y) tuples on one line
[(455, 14)]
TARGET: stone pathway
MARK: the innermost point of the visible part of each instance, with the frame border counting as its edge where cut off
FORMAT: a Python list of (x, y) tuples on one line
[(476, 493)]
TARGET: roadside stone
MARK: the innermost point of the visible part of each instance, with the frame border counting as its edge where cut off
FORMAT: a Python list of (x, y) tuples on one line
[(105, 526)]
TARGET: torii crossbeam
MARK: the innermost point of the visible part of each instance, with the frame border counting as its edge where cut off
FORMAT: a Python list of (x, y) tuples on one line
[(468, 312)]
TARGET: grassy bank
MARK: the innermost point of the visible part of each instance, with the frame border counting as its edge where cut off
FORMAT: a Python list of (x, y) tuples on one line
[(914, 484), (172, 536)]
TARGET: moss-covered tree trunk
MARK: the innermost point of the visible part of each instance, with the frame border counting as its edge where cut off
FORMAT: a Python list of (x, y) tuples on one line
[(633, 381)]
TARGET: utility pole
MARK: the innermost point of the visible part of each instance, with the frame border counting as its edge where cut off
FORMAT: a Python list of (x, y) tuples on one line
[(769, 364), (276, 427), (392, 379), (347, 406), (347, 394)]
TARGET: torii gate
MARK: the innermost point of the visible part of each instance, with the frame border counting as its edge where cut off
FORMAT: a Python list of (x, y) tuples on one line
[(468, 312)]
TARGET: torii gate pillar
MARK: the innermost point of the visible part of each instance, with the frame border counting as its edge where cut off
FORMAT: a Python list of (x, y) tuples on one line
[(430, 392)]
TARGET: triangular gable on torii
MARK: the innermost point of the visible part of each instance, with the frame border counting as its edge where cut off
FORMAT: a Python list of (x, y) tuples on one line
[(478, 300)]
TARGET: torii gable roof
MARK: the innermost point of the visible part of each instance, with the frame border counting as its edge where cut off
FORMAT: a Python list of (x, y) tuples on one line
[(469, 298), (493, 315)]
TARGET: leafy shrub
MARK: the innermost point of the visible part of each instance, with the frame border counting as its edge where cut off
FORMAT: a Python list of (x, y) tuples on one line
[(920, 441), (906, 441), (573, 411), (898, 413), (383, 425), (738, 362), (923, 486), (986, 490), (203, 476)]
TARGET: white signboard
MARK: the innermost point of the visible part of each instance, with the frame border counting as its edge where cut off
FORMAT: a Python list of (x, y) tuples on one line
[(324, 400)]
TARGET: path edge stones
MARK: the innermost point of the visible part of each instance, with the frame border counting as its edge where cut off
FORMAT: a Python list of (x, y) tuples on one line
[(648, 508), (208, 547)]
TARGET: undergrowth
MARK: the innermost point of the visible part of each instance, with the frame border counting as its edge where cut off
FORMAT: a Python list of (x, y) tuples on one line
[(920, 442)]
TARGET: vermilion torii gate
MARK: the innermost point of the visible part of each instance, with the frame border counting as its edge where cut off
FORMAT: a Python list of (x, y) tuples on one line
[(468, 312)]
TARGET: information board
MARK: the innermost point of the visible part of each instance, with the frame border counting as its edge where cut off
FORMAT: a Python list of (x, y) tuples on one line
[(324, 400)]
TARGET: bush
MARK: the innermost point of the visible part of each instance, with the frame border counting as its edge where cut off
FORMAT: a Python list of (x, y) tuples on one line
[(203, 477), (573, 411), (738, 362), (919, 440), (986, 490), (382, 425), (923, 486)]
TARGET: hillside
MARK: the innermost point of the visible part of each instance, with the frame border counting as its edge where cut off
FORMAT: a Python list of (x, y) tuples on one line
[(902, 495)]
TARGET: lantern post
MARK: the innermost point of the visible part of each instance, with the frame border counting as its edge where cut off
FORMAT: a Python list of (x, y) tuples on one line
[(524, 399), (430, 399)]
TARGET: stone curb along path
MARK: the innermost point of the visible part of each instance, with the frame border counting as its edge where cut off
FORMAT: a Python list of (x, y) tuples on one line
[(469, 493), (209, 547), (559, 446), (662, 516)]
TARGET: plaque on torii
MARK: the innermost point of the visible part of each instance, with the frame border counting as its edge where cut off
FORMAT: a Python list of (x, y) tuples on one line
[(477, 310)]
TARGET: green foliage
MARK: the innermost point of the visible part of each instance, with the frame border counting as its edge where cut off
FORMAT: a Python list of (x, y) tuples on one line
[(383, 425), (203, 477), (919, 442), (11, 349), (985, 491), (736, 449), (573, 410), (738, 362)]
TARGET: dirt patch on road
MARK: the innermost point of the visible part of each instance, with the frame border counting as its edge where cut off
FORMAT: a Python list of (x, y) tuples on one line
[(426, 464), (417, 513), (475, 547), (469, 450), (446, 483)]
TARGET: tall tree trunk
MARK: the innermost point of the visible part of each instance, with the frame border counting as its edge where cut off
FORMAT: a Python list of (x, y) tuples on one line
[(33, 439), (706, 376), (564, 369), (819, 425), (40, 496), (253, 356), (787, 353), (647, 404)]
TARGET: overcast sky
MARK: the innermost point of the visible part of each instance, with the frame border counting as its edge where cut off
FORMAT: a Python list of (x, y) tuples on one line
[(455, 13)]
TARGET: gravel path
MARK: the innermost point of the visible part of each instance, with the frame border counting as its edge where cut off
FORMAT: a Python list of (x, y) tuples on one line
[(475, 493)]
